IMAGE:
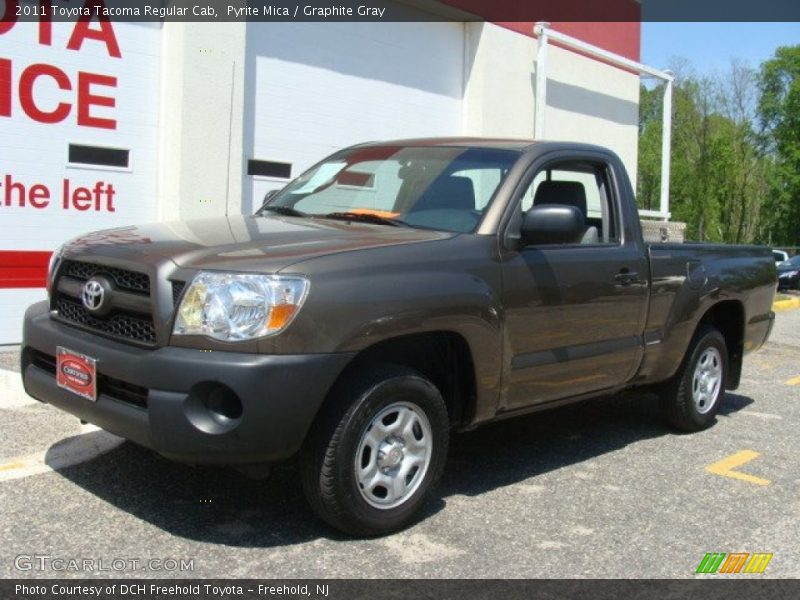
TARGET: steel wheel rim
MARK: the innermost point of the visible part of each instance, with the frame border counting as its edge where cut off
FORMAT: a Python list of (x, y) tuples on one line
[(393, 455), (707, 380)]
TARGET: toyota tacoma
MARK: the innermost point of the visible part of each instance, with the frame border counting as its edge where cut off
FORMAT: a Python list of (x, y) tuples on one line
[(391, 295)]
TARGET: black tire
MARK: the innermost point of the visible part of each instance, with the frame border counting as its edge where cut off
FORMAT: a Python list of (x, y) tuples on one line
[(327, 460), (677, 396)]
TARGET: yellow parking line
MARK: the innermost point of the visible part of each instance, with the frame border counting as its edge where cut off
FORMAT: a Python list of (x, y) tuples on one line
[(90, 443), (12, 465), (793, 381), (726, 466), (786, 304)]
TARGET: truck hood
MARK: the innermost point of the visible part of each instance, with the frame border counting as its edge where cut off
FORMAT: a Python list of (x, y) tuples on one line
[(243, 242)]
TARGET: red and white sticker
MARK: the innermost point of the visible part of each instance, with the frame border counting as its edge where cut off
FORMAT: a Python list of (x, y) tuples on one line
[(77, 373)]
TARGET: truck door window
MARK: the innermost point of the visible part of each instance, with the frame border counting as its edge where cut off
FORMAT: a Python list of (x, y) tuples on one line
[(583, 185)]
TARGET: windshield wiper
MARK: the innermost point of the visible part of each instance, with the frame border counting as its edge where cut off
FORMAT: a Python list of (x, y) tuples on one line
[(283, 210), (366, 218)]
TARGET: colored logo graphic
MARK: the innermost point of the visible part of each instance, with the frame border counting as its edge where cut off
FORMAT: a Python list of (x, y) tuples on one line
[(736, 562)]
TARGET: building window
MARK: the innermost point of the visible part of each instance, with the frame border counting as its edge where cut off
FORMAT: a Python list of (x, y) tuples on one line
[(269, 168), (98, 156)]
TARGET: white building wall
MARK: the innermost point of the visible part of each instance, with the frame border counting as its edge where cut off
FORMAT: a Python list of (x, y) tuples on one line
[(314, 88), (499, 90), (587, 101), (295, 92), (34, 153), (200, 133)]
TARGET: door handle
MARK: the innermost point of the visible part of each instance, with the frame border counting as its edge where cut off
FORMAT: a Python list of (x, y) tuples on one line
[(626, 277)]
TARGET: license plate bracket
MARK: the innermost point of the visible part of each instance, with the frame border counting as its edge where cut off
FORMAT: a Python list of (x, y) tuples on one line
[(76, 373)]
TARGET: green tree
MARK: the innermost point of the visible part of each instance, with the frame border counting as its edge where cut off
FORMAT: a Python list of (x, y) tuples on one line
[(693, 154), (743, 184), (649, 176), (779, 115), (719, 174)]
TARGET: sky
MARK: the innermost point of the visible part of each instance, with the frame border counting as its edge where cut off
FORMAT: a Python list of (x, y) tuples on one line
[(710, 46)]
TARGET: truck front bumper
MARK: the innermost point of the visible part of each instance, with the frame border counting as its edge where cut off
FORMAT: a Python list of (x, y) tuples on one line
[(193, 406)]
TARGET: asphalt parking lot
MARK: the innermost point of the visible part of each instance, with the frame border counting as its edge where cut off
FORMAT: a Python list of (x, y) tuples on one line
[(601, 489)]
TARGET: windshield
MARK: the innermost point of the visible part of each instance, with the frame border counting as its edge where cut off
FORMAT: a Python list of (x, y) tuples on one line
[(446, 188), (792, 262)]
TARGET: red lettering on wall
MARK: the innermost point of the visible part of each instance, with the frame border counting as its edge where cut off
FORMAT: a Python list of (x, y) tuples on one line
[(83, 31), (9, 16), (83, 198), (11, 188), (86, 99), (15, 193), (39, 196), (26, 82), (5, 87), (45, 26)]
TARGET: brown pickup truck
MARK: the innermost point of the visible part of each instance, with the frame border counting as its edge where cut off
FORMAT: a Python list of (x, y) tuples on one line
[(394, 293)]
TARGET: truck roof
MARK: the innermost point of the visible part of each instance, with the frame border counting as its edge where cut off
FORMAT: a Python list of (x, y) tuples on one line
[(517, 144)]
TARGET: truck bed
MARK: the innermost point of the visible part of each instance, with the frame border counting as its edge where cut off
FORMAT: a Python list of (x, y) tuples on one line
[(686, 278)]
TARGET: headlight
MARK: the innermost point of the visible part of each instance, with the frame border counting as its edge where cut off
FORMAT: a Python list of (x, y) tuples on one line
[(55, 258), (788, 274), (234, 306)]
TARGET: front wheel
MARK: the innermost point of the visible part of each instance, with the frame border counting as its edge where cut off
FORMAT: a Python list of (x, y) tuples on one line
[(691, 399), (376, 451)]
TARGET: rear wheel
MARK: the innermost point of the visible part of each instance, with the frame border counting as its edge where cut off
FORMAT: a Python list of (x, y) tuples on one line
[(376, 451), (691, 399)]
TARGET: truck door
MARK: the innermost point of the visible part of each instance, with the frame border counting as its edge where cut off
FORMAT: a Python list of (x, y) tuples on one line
[(574, 312)]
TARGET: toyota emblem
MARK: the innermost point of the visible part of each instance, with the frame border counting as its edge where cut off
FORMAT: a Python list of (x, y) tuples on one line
[(93, 295)]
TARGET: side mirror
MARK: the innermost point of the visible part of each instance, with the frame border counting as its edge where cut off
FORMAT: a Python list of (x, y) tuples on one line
[(267, 197), (552, 224)]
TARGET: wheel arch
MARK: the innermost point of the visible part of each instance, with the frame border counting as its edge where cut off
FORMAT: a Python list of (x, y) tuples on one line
[(728, 317), (443, 357)]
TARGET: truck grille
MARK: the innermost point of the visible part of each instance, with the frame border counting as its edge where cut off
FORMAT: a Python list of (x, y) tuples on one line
[(137, 328), (131, 281), (122, 390), (131, 322)]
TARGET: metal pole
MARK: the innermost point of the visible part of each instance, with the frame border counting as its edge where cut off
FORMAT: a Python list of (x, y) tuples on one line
[(606, 55), (541, 30), (545, 34), (666, 142)]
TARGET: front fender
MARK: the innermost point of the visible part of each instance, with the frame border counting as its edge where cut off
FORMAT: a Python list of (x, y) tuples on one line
[(465, 306), (359, 299)]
